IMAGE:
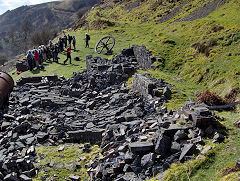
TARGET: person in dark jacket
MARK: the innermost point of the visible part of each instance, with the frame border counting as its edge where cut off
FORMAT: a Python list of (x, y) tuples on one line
[(55, 53), (74, 43), (87, 38), (65, 41), (60, 44), (70, 40)]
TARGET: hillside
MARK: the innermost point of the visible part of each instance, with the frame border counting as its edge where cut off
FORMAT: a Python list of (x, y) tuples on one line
[(199, 42), (57, 15), (203, 51), (196, 45)]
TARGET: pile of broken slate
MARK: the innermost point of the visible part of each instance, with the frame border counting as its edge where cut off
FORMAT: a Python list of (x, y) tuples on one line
[(138, 136)]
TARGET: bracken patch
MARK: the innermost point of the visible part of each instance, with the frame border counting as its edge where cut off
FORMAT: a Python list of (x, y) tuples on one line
[(211, 99)]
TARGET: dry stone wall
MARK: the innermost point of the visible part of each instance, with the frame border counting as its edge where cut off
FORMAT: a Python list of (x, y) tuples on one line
[(143, 56)]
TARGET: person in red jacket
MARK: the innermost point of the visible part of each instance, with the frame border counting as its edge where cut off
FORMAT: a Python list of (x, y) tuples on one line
[(36, 57), (68, 55)]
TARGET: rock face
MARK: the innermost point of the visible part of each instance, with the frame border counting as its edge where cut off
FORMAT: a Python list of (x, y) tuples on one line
[(138, 136)]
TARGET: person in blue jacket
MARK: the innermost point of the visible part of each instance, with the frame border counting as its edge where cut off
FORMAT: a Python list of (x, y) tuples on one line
[(29, 58)]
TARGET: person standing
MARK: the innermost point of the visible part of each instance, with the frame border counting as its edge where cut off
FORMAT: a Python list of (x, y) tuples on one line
[(48, 52), (29, 58), (44, 50), (36, 57), (56, 50), (70, 40), (50, 43), (74, 43), (87, 38), (54, 53), (40, 55), (65, 41), (60, 44), (68, 55)]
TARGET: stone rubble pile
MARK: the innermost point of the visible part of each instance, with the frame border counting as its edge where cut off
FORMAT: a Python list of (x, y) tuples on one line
[(138, 136)]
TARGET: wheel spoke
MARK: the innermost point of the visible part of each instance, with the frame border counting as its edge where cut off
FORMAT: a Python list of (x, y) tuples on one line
[(105, 44), (102, 49), (100, 46), (108, 44), (107, 40)]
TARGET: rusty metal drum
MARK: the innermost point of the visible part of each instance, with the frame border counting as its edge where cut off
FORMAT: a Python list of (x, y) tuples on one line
[(6, 87)]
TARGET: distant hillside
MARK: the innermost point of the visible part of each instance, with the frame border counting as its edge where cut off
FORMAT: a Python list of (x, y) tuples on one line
[(56, 15)]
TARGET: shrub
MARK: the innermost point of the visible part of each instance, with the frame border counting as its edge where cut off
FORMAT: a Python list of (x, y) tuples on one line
[(205, 47), (100, 23), (212, 99), (3, 59), (43, 37)]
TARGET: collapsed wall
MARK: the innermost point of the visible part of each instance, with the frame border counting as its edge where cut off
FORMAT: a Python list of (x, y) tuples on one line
[(138, 136)]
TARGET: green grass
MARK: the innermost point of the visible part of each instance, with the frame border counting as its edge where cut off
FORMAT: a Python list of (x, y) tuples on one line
[(227, 152), (81, 52), (64, 162), (182, 90)]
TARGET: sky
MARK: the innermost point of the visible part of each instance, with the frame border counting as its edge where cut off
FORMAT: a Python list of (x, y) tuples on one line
[(12, 4)]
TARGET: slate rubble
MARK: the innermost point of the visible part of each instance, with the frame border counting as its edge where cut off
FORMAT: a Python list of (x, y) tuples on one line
[(138, 136)]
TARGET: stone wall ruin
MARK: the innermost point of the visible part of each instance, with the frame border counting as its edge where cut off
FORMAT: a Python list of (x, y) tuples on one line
[(139, 137)]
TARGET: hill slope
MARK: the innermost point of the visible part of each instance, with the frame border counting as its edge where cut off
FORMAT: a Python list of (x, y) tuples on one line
[(203, 51), (198, 39)]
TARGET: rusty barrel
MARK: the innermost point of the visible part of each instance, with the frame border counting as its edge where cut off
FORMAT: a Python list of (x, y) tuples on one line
[(6, 87)]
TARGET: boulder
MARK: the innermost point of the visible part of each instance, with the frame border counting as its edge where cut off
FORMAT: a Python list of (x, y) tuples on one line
[(167, 92), (163, 145), (188, 149), (24, 178), (148, 160), (42, 136), (140, 147), (74, 178), (92, 135)]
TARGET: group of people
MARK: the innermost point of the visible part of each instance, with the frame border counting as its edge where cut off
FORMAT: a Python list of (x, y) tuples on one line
[(37, 56)]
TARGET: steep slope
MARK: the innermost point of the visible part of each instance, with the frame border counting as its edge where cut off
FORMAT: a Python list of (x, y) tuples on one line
[(198, 39)]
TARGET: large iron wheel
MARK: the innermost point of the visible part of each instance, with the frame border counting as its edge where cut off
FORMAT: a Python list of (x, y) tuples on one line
[(105, 45)]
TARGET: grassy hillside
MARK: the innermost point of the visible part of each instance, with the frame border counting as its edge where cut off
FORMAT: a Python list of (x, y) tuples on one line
[(200, 54), (204, 51)]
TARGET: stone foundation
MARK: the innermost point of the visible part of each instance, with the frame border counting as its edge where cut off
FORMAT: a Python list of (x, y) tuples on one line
[(37, 79)]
